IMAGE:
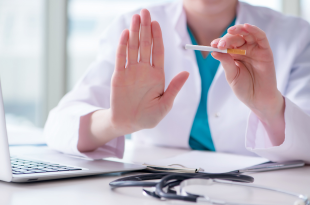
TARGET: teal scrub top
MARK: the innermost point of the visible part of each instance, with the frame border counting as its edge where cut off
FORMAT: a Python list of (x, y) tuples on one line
[(200, 136)]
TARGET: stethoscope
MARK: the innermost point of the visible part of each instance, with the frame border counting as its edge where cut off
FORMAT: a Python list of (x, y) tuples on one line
[(168, 181)]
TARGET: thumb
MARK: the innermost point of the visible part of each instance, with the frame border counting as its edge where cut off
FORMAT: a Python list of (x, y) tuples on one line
[(228, 63), (173, 89)]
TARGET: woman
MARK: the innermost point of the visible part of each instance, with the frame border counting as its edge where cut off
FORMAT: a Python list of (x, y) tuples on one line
[(256, 104)]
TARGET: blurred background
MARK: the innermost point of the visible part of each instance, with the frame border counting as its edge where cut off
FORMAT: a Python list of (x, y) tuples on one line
[(46, 45)]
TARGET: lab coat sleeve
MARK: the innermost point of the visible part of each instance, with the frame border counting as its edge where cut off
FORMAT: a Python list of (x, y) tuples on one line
[(91, 93), (296, 115), (297, 139)]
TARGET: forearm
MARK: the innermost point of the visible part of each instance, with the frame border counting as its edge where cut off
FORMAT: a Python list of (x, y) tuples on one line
[(96, 130)]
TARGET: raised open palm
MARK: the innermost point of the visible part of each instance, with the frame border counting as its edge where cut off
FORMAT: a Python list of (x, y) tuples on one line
[(138, 98)]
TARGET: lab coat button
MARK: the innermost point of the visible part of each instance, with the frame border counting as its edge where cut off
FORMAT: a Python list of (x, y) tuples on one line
[(217, 115)]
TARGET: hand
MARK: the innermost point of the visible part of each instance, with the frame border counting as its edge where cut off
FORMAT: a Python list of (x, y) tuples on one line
[(138, 98), (252, 77)]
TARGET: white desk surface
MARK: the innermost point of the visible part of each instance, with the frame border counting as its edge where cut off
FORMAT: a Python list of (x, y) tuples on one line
[(95, 189)]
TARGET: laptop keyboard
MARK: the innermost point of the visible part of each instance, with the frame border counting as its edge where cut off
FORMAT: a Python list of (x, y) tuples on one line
[(21, 166)]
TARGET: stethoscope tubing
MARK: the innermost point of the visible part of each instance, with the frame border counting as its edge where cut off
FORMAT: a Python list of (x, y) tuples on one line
[(171, 180), (206, 199), (139, 180)]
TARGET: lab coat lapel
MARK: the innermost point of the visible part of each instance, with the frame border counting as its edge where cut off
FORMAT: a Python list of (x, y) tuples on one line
[(178, 19), (239, 19), (219, 96), (220, 89), (179, 23)]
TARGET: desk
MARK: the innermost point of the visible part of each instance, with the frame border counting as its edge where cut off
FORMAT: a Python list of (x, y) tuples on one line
[(95, 190)]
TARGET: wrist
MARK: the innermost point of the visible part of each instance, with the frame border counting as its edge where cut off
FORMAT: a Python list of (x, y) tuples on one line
[(271, 110), (101, 128), (96, 129), (118, 125), (107, 124), (272, 118)]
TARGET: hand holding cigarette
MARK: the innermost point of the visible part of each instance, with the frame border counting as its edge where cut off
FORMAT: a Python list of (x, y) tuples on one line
[(252, 77)]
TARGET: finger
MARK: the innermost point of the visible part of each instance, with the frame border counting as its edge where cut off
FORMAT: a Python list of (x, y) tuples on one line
[(158, 46), (145, 36), (215, 42), (228, 63), (231, 41), (259, 35), (133, 44), (240, 30), (121, 51), (251, 34), (173, 89)]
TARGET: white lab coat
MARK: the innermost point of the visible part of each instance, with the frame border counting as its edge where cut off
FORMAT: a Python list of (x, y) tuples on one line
[(234, 128)]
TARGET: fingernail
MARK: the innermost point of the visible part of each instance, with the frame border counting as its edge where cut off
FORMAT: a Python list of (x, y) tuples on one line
[(222, 44), (232, 28)]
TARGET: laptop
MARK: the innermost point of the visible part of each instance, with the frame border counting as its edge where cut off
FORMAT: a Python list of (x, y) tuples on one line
[(49, 165)]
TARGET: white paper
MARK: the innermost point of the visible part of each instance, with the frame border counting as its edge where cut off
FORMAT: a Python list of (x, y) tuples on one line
[(211, 162)]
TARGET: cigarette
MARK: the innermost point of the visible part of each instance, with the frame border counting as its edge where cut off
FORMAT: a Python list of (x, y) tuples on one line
[(208, 48)]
